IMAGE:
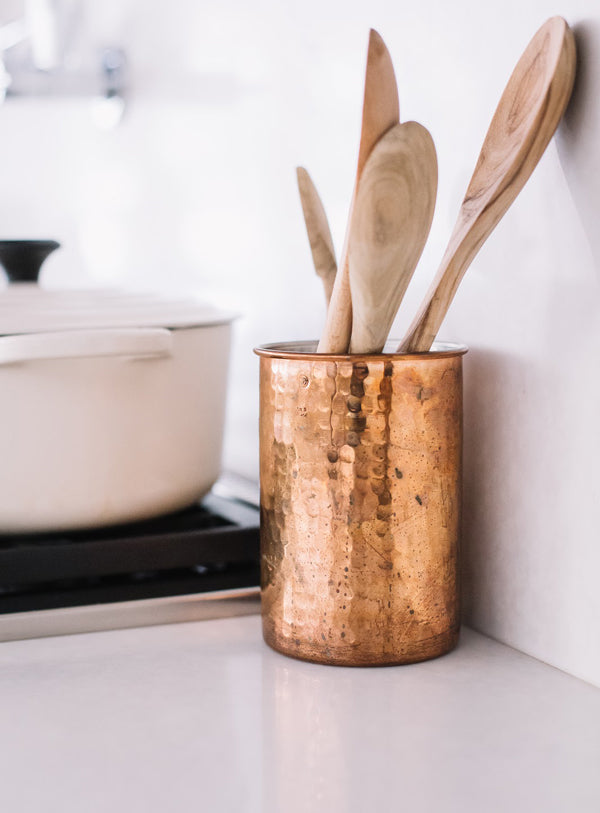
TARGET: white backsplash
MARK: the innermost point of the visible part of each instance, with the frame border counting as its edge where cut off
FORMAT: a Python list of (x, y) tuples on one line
[(195, 191)]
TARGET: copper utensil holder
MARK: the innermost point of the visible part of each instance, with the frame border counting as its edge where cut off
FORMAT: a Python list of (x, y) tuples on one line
[(360, 472)]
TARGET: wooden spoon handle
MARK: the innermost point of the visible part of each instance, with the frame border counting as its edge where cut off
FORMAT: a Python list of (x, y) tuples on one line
[(338, 326), (380, 112), (319, 233), (527, 116)]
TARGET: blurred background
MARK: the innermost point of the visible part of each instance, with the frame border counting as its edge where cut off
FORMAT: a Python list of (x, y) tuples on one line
[(158, 142)]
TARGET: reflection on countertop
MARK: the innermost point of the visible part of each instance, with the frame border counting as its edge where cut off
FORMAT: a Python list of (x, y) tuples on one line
[(204, 716)]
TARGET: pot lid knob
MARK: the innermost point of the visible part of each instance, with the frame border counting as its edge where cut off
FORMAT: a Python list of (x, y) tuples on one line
[(22, 259)]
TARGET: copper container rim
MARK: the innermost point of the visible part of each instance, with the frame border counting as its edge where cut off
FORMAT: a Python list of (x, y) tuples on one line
[(306, 351)]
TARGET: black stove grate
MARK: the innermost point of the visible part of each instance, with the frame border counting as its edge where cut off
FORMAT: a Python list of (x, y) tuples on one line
[(209, 547)]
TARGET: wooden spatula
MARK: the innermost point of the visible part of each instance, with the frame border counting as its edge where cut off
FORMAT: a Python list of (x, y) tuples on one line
[(527, 115), (393, 210), (380, 112), (319, 234)]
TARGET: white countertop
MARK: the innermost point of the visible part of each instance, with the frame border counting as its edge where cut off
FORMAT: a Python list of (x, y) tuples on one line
[(203, 716)]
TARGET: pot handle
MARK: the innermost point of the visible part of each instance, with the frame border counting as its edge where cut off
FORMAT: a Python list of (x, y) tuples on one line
[(133, 343)]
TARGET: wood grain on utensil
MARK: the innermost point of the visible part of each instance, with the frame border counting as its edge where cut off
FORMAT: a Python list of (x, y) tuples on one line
[(380, 112), (392, 215), (527, 115)]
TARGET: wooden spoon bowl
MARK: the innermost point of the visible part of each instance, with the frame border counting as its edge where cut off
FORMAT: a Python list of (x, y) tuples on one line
[(392, 216), (319, 234), (527, 115), (381, 111)]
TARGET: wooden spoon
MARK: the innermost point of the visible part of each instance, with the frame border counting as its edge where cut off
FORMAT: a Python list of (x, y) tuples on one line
[(380, 112), (393, 210), (525, 120), (319, 234)]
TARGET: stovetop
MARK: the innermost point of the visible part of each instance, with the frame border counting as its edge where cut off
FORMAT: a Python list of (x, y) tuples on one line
[(209, 551)]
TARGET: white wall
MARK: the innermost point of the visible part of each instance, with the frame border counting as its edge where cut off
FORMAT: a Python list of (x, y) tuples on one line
[(196, 191)]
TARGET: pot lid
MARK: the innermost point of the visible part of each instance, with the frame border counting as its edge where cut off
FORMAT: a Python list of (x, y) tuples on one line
[(25, 307)]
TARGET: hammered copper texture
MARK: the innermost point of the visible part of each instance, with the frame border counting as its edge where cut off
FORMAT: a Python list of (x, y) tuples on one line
[(360, 471)]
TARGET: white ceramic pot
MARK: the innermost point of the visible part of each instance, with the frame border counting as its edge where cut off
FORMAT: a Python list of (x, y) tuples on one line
[(112, 406)]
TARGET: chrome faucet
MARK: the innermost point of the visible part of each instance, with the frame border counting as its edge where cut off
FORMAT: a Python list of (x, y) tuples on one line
[(34, 59)]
